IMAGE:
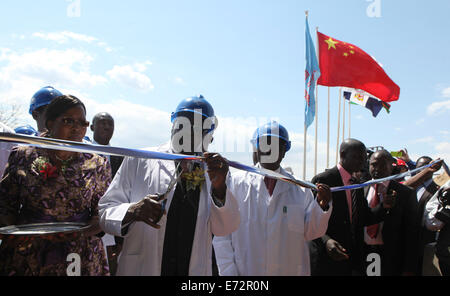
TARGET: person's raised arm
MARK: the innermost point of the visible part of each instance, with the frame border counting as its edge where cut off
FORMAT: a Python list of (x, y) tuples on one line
[(423, 176)]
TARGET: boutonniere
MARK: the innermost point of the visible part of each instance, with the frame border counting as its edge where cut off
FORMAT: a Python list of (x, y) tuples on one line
[(194, 179), (43, 166)]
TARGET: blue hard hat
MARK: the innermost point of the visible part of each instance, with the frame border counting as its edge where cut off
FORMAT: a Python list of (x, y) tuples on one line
[(43, 97), (26, 130), (197, 105), (271, 129)]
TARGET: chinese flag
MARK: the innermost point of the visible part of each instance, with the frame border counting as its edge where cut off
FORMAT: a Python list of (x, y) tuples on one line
[(344, 64)]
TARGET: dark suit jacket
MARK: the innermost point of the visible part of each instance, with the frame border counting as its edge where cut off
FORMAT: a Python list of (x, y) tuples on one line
[(426, 236), (116, 162), (349, 235), (401, 233)]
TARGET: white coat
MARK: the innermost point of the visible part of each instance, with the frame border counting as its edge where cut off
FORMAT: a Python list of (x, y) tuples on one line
[(274, 230), (5, 149), (143, 244)]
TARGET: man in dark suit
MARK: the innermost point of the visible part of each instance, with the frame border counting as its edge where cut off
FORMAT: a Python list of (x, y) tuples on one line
[(425, 187), (340, 251), (396, 238), (103, 129)]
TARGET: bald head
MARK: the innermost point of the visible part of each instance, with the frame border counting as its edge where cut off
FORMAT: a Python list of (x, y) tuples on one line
[(103, 128), (383, 154), (423, 161), (353, 155), (101, 115), (351, 144)]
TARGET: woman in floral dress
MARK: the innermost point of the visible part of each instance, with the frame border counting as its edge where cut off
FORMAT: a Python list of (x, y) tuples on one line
[(42, 186)]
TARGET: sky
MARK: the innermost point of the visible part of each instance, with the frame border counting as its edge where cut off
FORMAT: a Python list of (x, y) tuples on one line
[(138, 59)]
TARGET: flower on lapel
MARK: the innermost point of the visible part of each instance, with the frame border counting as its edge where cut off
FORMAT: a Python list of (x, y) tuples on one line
[(43, 166), (194, 179)]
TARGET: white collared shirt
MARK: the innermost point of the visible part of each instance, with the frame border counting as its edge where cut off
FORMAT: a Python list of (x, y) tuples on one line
[(421, 190), (107, 156)]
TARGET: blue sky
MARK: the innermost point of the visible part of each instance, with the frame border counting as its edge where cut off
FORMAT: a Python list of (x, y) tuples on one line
[(138, 59)]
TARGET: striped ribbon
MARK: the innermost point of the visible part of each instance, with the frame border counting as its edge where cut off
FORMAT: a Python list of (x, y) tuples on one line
[(58, 144), (394, 177)]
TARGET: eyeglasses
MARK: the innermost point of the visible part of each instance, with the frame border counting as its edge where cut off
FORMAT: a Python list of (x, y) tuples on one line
[(70, 122)]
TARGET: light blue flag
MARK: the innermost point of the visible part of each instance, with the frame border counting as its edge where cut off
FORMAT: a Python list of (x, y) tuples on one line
[(312, 74)]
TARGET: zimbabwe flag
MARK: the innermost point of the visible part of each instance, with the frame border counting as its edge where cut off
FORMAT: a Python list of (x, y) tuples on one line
[(344, 64)]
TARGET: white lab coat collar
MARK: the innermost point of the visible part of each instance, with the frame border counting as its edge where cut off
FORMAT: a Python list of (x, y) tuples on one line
[(280, 186)]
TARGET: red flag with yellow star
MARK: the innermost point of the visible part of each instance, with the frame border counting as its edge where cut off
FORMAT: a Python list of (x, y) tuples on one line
[(344, 64)]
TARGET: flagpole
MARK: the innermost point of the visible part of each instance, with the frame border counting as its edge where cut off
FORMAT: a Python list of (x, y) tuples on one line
[(328, 131), (339, 125), (349, 119), (317, 110), (304, 153), (343, 121), (304, 134)]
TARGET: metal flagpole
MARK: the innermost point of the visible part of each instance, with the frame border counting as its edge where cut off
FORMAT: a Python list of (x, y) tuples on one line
[(343, 122), (304, 153), (349, 119), (339, 125), (317, 111), (328, 131), (304, 135)]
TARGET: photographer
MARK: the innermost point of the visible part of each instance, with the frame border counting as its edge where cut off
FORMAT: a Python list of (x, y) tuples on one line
[(437, 218)]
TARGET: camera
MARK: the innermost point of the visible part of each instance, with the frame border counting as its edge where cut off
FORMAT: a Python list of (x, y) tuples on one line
[(443, 213)]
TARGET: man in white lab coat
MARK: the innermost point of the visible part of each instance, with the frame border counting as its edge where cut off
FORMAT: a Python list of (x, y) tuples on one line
[(277, 218), (5, 148), (173, 238)]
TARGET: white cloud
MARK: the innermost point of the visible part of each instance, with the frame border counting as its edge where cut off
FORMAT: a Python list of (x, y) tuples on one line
[(23, 73), (437, 108), (446, 92), (105, 46), (142, 67), (442, 151), (132, 76), (70, 67), (136, 126), (16, 36), (179, 80), (64, 37), (423, 140)]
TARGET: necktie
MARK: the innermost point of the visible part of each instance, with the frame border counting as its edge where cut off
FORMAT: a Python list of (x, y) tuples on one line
[(372, 230), (270, 184), (354, 200)]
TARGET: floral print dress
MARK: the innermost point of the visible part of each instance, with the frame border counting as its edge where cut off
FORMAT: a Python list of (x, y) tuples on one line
[(34, 191)]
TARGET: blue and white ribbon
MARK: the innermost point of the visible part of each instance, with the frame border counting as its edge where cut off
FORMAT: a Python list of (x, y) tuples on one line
[(57, 144), (394, 177)]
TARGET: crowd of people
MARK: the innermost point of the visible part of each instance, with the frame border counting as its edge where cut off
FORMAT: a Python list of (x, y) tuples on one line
[(196, 216)]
